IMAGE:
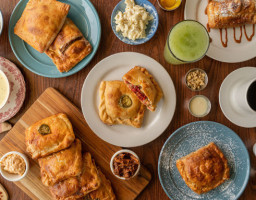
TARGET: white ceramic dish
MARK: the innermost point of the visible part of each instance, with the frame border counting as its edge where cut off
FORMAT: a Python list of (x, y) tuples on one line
[(8, 89), (124, 151), (208, 106), (247, 120), (113, 68), (14, 177), (1, 22), (195, 9)]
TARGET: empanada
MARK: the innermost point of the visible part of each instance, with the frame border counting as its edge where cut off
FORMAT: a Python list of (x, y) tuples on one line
[(49, 135), (69, 47), (231, 13), (118, 105), (40, 22), (62, 165), (144, 86), (204, 169)]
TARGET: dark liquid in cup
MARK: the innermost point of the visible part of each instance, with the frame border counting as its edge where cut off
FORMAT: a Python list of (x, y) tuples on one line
[(251, 96)]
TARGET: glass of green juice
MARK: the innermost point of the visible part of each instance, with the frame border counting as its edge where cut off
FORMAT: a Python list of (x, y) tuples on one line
[(187, 42)]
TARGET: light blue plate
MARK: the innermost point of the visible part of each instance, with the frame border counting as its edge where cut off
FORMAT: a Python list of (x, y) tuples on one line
[(151, 27), (82, 13), (191, 137)]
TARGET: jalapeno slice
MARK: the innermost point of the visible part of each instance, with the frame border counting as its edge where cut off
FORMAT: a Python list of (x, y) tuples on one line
[(44, 129), (125, 101)]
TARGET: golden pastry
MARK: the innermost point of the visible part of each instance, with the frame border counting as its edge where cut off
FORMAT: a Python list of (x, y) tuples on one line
[(49, 135), (231, 13), (40, 22), (80, 186), (204, 169), (118, 105), (144, 86), (62, 165), (69, 47)]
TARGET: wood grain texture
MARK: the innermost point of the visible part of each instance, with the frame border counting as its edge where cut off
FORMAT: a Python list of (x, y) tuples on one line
[(110, 44), (52, 102)]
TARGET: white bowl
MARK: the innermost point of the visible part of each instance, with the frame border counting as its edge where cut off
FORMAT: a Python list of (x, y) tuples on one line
[(1, 22), (124, 151), (8, 89), (14, 177)]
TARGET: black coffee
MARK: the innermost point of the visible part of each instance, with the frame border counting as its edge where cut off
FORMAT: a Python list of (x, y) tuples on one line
[(251, 96)]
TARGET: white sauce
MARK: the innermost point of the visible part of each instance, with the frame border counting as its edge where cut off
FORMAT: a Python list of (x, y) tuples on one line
[(3, 89), (198, 106)]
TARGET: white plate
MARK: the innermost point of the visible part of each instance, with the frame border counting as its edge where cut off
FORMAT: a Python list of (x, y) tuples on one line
[(227, 105), (113, 68), (195, 9)]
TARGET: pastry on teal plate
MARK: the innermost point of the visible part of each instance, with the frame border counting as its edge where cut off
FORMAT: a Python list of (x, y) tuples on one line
[(192, 137), (85, 17)]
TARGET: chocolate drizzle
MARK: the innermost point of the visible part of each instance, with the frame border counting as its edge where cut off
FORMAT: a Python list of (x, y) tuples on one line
[(241, 34), (253, 33), (224, 44)]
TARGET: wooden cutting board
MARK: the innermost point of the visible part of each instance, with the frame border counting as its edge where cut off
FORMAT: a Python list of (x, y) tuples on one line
[(52, 102)]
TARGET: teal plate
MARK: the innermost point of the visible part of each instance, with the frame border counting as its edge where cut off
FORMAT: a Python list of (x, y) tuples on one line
[(82, 13), (191, 137)]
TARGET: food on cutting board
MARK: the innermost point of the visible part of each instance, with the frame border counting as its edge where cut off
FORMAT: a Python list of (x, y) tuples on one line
[(133, 22), (3, 193), (13, 164), (49, 135), (69, 47), (143, 84), (40, 22), (119, 105), (204, 169)]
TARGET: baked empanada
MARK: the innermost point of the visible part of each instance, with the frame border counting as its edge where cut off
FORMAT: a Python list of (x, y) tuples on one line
[(62, 165), (80, 186), (204, 169), (144, 86), (69, 47), (118, 105), (231, 13), (49, 135), (40, 22)]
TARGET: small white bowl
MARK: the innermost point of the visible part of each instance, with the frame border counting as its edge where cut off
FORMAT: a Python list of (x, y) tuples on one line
[(124, 151), (1, 22), (8, 89), (14, 177)]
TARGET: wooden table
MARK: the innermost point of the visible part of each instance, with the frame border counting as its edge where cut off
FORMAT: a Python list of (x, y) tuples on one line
[(110, 44)]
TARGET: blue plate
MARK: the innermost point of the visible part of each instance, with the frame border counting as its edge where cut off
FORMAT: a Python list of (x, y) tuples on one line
[(82, 13), (191, 137), (151, 27)]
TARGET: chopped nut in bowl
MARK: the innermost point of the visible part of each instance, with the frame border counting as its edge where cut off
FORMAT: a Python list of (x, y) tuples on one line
[(14, 166), (125, 164), (196, 79)]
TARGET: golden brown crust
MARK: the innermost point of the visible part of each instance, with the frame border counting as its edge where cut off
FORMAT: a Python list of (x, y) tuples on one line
[(139, 76), (69, 47), (40, 22), (77, 187), (62, 165), (105, 190), (60, 137), (204, 169), (231, 13), (111, 112)]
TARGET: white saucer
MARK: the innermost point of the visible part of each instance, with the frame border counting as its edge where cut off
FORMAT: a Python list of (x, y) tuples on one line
[(247, 120)]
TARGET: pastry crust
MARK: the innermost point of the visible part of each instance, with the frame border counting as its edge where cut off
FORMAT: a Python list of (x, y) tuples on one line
[(62, 165), (105, 190), (204, 169), (77, 187), (69, 47), (141, 82), (110, 110), (231, 13), (40, 22), (60, 137)]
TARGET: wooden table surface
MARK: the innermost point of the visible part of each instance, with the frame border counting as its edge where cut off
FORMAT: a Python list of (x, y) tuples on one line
[(110, 44)]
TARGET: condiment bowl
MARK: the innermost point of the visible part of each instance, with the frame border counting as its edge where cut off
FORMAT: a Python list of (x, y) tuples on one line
[(112, 162), (14, 177), (208, 106), (205, 81), (8, 89), (161, 6), (151, 27), (1, 22)]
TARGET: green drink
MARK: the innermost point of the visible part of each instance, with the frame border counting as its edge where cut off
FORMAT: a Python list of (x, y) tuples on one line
[(187, 42)]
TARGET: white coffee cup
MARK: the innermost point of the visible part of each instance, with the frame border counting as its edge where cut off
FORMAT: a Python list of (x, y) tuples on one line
[(239, 95)]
